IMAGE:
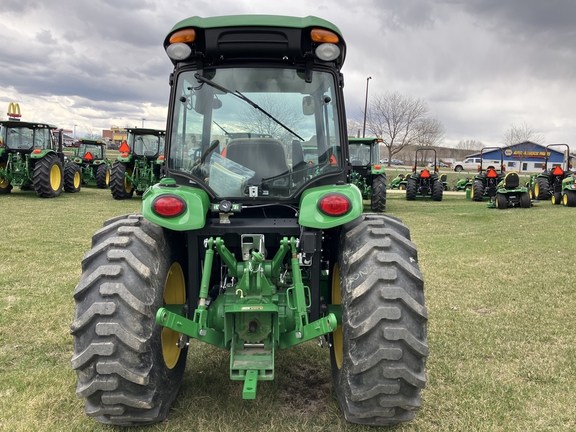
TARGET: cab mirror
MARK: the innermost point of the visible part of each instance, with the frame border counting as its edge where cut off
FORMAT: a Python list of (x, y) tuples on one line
[(307, 105)]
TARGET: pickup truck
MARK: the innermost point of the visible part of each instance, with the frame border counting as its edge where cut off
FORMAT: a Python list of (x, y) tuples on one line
[(472, 163)]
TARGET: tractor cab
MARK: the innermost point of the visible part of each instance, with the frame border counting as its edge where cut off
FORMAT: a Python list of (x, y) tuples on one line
[(368, 174), (90, 150), (148, 143), (25, 137)]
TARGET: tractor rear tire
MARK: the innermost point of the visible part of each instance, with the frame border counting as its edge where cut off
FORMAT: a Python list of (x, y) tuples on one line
[(501, 201), (129, 368), (48, 176), (378, 354), (569, 199), (5, 186), (437, 190), (477, 190), (72, 178), (525, 200), (378, 203), (103, 176), (557, 198), (120, 186), (542, 189), (411, 189)]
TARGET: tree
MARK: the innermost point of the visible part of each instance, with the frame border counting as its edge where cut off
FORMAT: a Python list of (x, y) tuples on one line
[(521, 137), (401, 121), (469, 144)]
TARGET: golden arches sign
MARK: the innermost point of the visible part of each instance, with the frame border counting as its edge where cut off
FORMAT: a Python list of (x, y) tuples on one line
[(14, 110)]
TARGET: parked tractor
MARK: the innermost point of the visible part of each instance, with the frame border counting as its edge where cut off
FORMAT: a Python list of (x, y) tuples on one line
[(368, 174), (31, 157), (549, 183), (425, 183), (399, 182), (246, 246), (485, 183), (568, 194), (140, 163), (509, 193), (462, 183), (90, 162)]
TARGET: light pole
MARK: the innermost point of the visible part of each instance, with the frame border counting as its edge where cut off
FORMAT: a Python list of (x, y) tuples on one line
[(75, 132), (143, 122), (365, 107)]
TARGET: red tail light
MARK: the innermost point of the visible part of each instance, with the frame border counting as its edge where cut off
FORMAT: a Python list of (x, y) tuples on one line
[(377, 166), (37, 151), (557, 171), (168, 206), (124, 147), (491, 173), (425, 173), (334, 204)]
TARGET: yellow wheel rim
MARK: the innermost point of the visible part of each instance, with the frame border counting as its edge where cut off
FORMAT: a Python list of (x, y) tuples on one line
[(127, 183), (174, 294), (337, 339), (77, 180), (3, 182), (55, 177), (107, 177), (565, 199)]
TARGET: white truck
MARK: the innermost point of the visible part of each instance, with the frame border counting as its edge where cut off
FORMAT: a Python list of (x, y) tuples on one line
[(472, 164)]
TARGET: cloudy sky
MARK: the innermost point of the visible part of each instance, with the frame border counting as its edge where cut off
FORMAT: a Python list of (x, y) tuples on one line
[(481, 65)]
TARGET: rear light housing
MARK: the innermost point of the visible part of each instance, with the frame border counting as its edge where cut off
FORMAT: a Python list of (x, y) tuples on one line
[(168, 206), (334, 204)]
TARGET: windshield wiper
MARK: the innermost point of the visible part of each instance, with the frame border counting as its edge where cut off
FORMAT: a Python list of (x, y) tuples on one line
[(239, 95)]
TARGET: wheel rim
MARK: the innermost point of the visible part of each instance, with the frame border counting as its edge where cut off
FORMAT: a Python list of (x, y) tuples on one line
[(174, 294), (55, 177), (536, 189), (565, 199), (107, 177), (337, 339), (77, 180), (127, 183), (3, 182)]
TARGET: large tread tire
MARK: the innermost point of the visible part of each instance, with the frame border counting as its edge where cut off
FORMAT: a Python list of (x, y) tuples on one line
[(103, 176), (48, 176), (72, 178), (379, 355), (477, 190), (437, 190), (569, 199), (118, 347), (411, 188), (542, 189), (378, 203), (120, 187), (5, 186)]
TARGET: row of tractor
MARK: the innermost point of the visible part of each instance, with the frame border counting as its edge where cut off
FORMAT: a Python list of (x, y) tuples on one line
[(32, 158), (502, 189)]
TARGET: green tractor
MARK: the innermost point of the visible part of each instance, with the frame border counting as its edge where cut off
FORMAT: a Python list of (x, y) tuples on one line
[(368, 174), (486, 182), (463, 183), (568, 194), (425, 183), (140, 164), (510, 193), (549, 184), (90, 164), (248, 247), (31, 157), (399, 182)]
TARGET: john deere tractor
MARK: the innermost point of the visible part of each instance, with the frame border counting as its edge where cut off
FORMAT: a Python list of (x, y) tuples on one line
[(31, 157), (510, 193), (367, 171), (140, 163), (549, 183), (90, 163), (246, 246), (424, 182), (485, 183)]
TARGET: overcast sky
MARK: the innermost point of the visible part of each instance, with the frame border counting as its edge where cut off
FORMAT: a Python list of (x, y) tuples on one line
[(481, 65)]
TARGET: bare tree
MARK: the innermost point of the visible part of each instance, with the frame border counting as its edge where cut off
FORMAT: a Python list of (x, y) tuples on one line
[(521, 137), (401, 121), (469, 144)]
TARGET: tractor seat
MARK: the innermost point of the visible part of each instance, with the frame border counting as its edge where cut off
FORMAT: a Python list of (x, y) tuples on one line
[(264, 156), (511, 181)]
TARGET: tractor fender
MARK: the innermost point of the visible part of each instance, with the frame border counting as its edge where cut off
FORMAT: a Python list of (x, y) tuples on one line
[(41, 154), (194, 215), (311, 216)]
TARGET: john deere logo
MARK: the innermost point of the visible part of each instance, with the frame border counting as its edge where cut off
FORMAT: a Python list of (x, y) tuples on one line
[(14, 110), (508, 152)]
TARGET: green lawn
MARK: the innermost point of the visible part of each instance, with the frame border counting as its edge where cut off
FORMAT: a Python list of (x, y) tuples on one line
[(500, 291)]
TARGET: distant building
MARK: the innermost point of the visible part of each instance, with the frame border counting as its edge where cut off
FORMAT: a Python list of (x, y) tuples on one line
[(115, 135), (526, 156)]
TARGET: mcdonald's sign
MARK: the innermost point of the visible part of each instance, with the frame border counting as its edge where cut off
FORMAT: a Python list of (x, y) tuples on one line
[(14, 111)]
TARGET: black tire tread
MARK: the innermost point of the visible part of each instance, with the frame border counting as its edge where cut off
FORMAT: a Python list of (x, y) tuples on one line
[(41, 176), (378, 203)]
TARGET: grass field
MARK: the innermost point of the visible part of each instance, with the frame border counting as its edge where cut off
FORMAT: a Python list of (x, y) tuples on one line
[(500, 291)]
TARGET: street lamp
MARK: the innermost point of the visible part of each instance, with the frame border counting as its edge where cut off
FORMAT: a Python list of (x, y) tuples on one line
[(365, 108), (75, 132), (143, 122)]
